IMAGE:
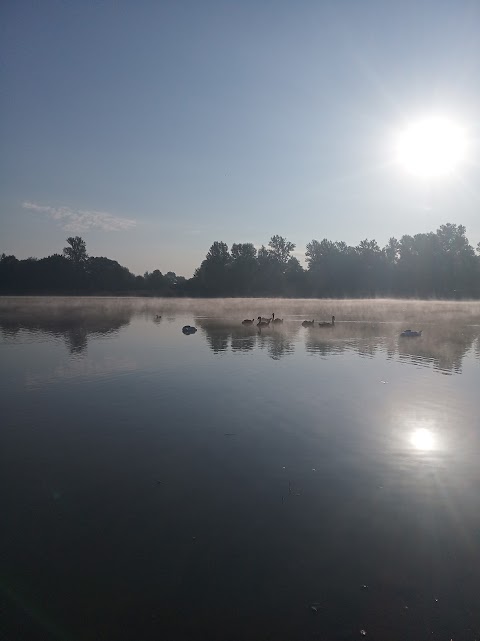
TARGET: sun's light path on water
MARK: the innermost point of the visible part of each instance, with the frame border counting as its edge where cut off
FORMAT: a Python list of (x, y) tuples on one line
[(431, 147), (422, 439)]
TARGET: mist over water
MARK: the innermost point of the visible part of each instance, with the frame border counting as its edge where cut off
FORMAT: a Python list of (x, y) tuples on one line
[(450, 329), (239, 483)]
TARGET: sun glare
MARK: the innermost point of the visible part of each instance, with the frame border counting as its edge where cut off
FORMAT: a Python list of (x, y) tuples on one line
[(422, 439), (431, 147)]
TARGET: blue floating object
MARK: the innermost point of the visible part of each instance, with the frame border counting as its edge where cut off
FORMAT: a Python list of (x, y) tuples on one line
[(188, 329)]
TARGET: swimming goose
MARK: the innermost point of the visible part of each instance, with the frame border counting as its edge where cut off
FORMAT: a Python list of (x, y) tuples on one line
[(324, 324), (307, 323), (247, 321), (276, 321), (263, 322)]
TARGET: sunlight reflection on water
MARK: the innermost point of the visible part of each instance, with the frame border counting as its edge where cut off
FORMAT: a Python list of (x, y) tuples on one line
[(423, 439), (241, 466)]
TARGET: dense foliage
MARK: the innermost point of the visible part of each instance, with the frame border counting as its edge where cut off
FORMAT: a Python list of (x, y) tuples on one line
[(437, 264), (74, 272)]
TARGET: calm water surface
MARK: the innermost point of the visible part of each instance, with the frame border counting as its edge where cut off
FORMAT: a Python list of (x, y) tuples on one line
[(294, 483)]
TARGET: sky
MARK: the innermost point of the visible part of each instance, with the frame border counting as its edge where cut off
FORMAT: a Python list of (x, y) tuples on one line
[(152, 129)]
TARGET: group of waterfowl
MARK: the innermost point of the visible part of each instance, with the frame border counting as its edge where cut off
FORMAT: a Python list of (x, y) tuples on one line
[(307, 323), (265, 322)]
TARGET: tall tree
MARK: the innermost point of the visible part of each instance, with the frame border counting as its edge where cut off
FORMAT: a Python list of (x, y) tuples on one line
[(213, 274), (392, 251), (243, 268), (107, 275), (320, 257), (459, 264), (295, 278), (280, 249), (453, 238), (77, 250), (272, 265), (155, 281), (369, 265)]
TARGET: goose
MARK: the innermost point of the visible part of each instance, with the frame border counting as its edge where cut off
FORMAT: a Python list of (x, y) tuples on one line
[(307, 323), (247, 321), (263, 322), (188, 329), (408, 333), (324, 324), (276, 321)]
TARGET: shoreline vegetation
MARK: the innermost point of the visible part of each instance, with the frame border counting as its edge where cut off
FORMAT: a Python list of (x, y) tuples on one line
[(436, 265)]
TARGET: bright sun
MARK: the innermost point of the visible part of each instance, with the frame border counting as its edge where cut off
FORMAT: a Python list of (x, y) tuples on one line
[(431, 147)]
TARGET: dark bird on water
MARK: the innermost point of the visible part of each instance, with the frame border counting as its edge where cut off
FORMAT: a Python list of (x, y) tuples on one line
[(325, 324), (262, 322)]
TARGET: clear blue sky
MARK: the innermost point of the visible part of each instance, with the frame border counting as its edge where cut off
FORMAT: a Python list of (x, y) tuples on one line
[(154, 128)]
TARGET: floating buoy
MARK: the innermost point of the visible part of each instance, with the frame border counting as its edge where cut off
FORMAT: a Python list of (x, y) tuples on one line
[(408, 333), (188, 329)]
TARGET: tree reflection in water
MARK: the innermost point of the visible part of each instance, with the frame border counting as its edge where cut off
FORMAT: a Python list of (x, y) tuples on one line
[(224, 335), (450, 330), (74, 327), (442, 346)]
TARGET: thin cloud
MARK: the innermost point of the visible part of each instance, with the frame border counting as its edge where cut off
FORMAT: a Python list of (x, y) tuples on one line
[(78, 220)]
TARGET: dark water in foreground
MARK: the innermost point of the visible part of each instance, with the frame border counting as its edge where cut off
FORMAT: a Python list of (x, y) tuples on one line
[(235, 485)]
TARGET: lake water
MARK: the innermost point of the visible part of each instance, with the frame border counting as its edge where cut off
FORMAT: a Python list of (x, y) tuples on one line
[(285, 484)]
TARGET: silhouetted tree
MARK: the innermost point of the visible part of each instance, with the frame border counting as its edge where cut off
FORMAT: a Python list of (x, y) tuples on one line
[(440, 263), (155, 281), (212, 277), (243, 268), (280, 249), (392, 251), (77, 251), (369, 267), (332, 268), (107, 275), (8, 271), (56, 273), (458, 261), (272, 266), (295, 278), (171, 278)]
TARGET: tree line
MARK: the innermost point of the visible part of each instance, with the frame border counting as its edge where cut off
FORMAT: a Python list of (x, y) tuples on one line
[(75, 272), (439, 264)]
